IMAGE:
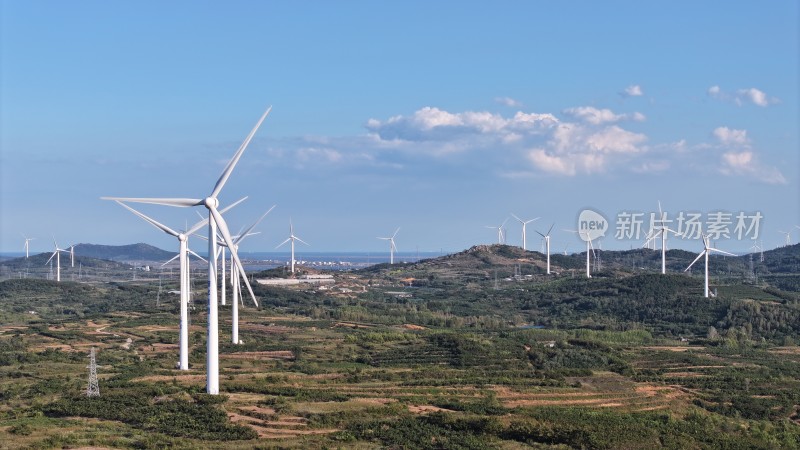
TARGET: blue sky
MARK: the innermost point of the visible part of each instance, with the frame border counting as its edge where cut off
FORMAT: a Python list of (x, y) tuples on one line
[(437, 118)]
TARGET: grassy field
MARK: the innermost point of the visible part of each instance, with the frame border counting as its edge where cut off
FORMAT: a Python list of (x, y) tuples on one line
[(362, 368)]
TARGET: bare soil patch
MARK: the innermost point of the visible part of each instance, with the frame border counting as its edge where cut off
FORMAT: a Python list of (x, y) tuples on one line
[(425, 409), (255, 356)]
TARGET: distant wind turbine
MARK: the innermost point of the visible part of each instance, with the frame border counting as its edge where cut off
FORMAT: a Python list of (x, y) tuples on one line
[(57, 255), (392, 247), (27, 244), (291, 239), (788, 237), (215, 221), (524, 223), (236, 275), (589, 247), (707, 249), (663, 230), (500, 234), (547, 245)]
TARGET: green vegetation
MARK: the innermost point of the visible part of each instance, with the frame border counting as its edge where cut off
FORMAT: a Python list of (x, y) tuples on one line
[(628, 359)]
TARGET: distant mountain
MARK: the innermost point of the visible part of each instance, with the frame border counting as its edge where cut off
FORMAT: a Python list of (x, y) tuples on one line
[(133, 252)]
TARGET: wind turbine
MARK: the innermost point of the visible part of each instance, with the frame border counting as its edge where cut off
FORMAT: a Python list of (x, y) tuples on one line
[(392, 247), (27, 244), (589, 246), (292, 238), (524, 223), (707, 249), (788, 237), (663, 230), (183, 255), (235, 275), (215, 221), (57, 254), (547, 245), (500, 234)]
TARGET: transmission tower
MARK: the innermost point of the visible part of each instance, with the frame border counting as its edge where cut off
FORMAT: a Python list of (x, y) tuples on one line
[(94, 389)]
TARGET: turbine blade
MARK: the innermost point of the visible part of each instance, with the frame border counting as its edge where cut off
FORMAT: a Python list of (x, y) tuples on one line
[(171, 259), (50, 258), (243, 275), (191, 252), (695, 260), (287, 240), (179, 202), (304, 242), (149, 220), (720, 251), (247, 232), (395, 232), (232, 205), (232, 163), (223, 228), (515, 216), (551, 229)]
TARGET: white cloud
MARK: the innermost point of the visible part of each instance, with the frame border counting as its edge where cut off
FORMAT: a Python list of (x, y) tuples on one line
[(508, 101), (742, 96), (728, 136), (615, 140), (551, 163), (652, 166), (746, 164), (633, 90), (596, 116), (433, 124), (312, 154), (755, 96), (522, 145)]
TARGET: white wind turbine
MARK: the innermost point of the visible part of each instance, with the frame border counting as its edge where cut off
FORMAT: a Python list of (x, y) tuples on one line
[(500, 234), (72, 255), (57, 255), (547, 245), (589, 247), (788, 237), (236, 275), (392, 247), (663, 230), (183, 258), (215, 221), (27, 244), (291, 239), (524, 223), (707, 249)]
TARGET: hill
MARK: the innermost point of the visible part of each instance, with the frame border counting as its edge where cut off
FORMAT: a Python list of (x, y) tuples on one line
[(133, 252)]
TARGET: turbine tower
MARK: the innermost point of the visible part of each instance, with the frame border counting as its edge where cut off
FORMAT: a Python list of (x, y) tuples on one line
[(392, 247), (291, 239), (524, 223), (183, 255), (235, 276), (707, 249), (215, 221), (27, 244), (589, 247), (663, 230), (547, 245), (72, 255), (57, 255)]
